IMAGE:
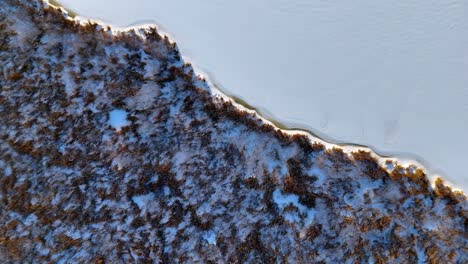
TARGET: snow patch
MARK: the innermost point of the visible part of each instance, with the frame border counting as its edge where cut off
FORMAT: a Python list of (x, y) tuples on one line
[(68, 82), (314, 171), (25, 31), (143, 201), (145, 97), (210, 237), (431, 225), (118, 119), (284, 200), (7, 171), (204, 208), (31, 219), (152, 68)]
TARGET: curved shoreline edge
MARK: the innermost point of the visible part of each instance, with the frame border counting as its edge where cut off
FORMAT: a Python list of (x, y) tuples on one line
[(113, 149), (382, 160)]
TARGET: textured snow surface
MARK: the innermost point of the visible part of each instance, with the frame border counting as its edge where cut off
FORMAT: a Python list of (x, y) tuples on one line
[(112, 150)]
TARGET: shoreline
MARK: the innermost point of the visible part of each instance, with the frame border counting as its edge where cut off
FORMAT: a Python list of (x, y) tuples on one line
[(111, 143), (381, 157)]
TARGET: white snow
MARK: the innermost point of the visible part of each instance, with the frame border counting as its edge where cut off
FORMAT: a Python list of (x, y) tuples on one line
[(145, 97), (210, 237), (431, 225), (314, 171), (421, 254), (32, 218), (24, 30), (207, 182), (152, 68), (143, 201), (284, 200), (7, 171), (203, 209), (118, 119), (68, 83)]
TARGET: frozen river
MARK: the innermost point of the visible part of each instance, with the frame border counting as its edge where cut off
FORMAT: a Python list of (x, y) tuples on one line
[(392, 75)]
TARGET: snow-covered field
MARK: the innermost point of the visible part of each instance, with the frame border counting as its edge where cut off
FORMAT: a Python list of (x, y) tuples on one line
[(386, 74)]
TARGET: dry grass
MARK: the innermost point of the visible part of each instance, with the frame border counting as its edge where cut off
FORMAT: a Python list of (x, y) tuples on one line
[(70, 12)]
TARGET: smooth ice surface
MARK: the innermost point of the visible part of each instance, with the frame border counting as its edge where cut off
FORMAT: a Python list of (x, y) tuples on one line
[(386, 74), (118, 119)]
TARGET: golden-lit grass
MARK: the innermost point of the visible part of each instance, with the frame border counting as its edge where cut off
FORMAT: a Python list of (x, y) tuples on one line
[(71, 13)]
